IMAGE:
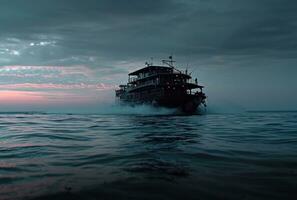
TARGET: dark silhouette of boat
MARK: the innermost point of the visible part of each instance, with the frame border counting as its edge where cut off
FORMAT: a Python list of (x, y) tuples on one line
[(163, 86)]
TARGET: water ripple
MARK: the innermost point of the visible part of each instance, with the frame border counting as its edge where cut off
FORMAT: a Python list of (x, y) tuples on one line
[(212, 156)]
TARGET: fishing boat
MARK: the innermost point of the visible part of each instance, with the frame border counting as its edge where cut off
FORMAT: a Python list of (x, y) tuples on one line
[(164, 86)]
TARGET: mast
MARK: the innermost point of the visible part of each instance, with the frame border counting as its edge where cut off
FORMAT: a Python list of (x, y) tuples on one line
[(170, 63)]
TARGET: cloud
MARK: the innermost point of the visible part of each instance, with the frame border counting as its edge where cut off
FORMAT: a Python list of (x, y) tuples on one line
[(100, 41), (71, 33), (51, 85), (44, 74)]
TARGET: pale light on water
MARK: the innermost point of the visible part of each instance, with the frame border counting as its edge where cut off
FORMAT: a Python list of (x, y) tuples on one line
[(133, 156)]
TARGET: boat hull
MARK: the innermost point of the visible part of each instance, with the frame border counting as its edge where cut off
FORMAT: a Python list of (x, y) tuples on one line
[(187, 103)]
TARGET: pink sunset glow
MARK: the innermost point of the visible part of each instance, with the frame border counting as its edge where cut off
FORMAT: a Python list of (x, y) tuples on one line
[(8, 97), (99, 86), (52, 86)]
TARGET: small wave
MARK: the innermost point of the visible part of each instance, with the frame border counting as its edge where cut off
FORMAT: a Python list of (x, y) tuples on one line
[(71, 119), (159, 168), (23, 113), (123, 143), (134, 110)]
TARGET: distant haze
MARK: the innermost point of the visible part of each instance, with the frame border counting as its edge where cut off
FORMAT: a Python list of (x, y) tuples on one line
[(62, 55)]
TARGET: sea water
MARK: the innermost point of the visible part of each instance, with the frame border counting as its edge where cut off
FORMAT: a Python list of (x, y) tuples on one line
[(143, 155)]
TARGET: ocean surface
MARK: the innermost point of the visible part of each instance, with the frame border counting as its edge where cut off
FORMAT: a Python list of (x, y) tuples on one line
[(148, 155)]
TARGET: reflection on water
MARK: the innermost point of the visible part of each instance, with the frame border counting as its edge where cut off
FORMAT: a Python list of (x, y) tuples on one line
[(233, 156), (159, 152)]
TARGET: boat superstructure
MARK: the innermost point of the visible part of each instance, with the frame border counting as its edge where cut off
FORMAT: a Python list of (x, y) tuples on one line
[(162, 86)]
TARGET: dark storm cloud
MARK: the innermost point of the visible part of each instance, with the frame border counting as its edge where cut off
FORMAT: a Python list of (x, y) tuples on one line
[(270, 28), (239, 48), (83, 28), (118, 29)]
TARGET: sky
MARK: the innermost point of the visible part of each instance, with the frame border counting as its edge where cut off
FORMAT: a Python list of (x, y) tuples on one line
[(70, 55)]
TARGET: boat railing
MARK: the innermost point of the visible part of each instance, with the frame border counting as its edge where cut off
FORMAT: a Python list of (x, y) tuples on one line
[(147, 83), (133, 79), (157, 81)]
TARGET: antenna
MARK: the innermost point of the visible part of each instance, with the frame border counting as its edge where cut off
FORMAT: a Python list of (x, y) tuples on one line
[(169, 62), (170, 59), (152, 61)]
